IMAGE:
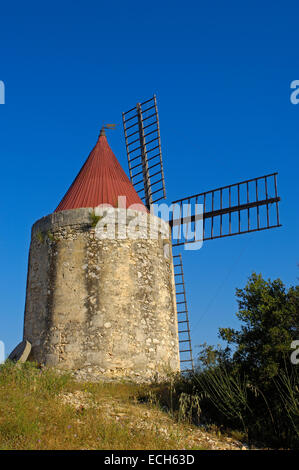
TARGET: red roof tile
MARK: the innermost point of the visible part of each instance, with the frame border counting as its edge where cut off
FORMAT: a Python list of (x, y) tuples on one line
[(100, 180)]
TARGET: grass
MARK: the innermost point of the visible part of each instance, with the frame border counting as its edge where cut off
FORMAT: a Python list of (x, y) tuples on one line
[(38, 410), (266, 415), (94, 219), (40, 237)]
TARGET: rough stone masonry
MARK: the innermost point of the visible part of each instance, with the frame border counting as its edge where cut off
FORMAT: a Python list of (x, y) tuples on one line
[(101, 307)]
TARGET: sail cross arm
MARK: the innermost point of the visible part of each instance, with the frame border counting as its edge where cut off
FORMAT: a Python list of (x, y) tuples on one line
[(243, 207)]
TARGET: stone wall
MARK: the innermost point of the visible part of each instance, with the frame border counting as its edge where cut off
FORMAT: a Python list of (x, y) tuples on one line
[(102, 306)]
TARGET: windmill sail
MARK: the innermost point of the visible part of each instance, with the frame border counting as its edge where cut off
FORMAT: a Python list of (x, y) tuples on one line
[(244, 207), (143, 145), (247, 206)]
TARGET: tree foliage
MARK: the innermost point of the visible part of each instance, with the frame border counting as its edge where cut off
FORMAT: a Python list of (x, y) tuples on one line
[(269, 315), (252, 381)]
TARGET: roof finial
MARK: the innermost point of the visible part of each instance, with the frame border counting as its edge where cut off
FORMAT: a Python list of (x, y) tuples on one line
[(106, 126)]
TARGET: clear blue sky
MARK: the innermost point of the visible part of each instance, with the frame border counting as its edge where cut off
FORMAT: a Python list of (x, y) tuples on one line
[(222, 73)]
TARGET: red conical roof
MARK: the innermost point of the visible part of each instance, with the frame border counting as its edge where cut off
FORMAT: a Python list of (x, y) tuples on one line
[(101, 180)]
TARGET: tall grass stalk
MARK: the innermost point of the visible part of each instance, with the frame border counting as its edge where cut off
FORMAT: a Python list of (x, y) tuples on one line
[(287, 383), (227, 393)]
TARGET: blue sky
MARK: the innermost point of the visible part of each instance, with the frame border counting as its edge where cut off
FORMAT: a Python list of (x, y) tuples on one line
[(222, 74)]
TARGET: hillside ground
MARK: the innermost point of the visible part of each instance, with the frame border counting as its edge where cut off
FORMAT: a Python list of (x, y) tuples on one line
[(40, 409)]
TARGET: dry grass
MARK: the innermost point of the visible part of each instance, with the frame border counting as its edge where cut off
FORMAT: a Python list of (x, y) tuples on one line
[(43, 410)]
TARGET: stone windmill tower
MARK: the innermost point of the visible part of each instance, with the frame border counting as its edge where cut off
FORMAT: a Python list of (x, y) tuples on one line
[(102, 305)]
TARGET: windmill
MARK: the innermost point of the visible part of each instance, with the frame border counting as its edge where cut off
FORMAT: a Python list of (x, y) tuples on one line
[(234, 209)]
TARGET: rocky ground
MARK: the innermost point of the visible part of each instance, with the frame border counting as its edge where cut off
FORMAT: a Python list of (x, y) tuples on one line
[(139, 416)]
